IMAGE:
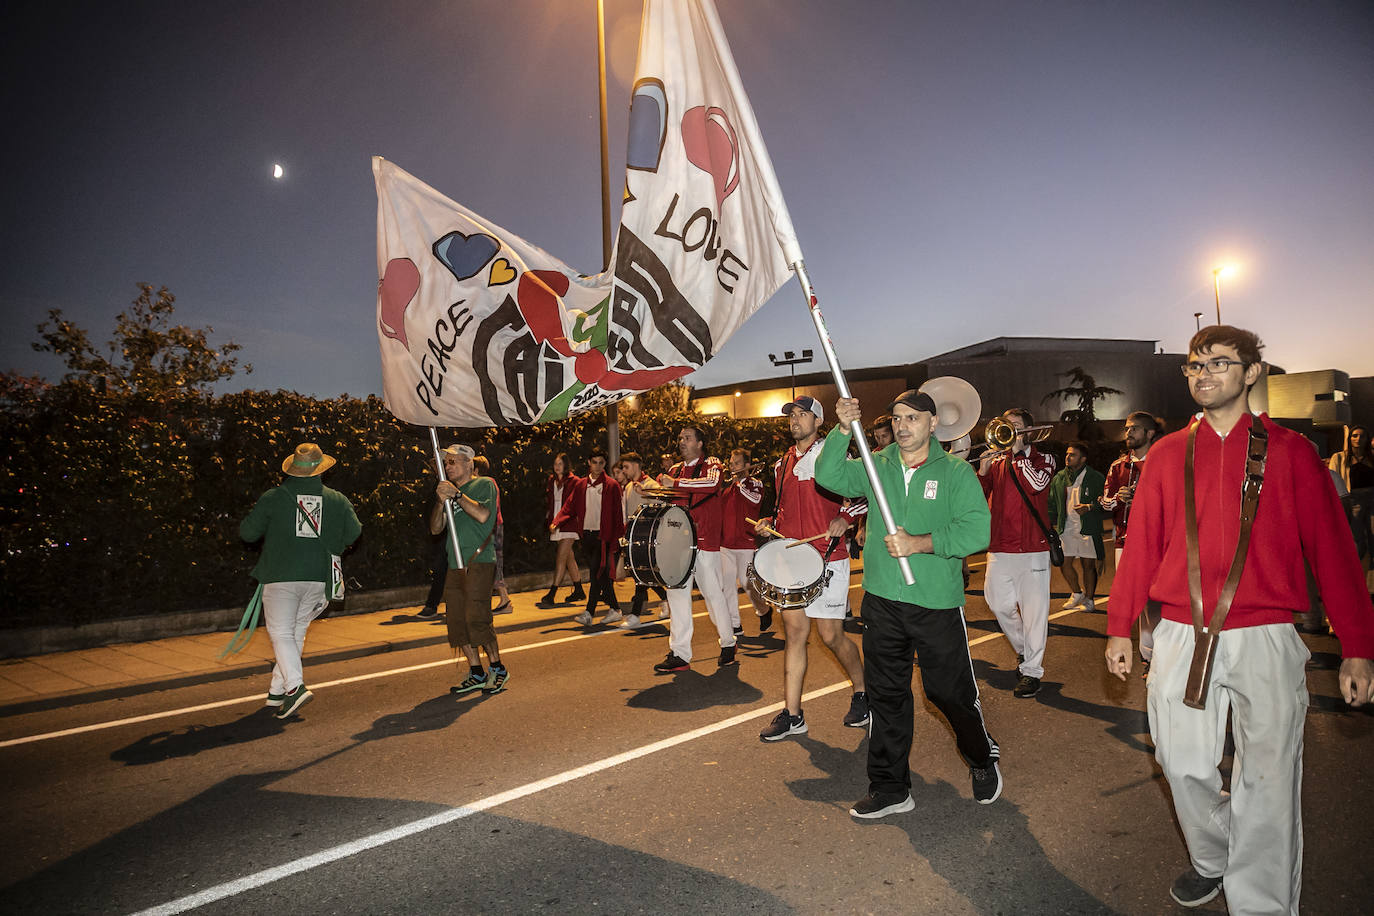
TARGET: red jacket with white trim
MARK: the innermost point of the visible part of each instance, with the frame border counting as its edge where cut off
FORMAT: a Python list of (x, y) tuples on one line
[(1013, 528)]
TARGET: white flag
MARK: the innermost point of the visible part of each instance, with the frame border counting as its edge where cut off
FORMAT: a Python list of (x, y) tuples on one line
[(478, 327)]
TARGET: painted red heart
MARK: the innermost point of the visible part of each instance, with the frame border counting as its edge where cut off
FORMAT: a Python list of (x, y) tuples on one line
[(395, 291)]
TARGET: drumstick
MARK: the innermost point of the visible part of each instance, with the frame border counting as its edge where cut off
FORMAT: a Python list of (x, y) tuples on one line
[(773, 531), (814, 537)]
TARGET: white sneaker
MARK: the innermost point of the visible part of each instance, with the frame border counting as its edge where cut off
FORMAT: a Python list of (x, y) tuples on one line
[(613, 616), (663, 611), (1075, 600), (584, 618), (630, 622)]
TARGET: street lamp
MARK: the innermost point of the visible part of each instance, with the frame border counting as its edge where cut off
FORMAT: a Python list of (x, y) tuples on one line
[(1217, 274), (791, 360), (1197, 317), (735, 404)]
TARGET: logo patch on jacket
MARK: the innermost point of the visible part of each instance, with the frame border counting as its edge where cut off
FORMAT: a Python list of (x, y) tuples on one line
[(931, 487), (309, 510)]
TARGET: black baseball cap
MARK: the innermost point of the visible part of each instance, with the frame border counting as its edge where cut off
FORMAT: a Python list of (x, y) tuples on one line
[(916, 400)]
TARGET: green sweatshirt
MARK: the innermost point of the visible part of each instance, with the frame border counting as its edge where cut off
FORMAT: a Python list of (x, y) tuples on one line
[(1093, 484), (943, 499), (472, 533), (303, 522)]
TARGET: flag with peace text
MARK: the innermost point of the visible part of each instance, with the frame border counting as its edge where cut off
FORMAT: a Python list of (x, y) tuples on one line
[(478, 327)]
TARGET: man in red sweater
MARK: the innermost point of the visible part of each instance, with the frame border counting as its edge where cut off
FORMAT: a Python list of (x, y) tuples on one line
[(597, 501), (1247, 840), (1017, 580)]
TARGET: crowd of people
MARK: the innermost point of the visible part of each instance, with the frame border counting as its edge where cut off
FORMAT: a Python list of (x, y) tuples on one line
[(1210, 582)]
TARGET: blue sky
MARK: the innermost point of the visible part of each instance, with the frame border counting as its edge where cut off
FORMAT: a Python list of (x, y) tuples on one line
[(954, 171)]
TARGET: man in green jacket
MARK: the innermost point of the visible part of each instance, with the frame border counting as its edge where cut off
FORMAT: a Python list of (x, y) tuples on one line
[(941, 518), (1075, 514), (304, 526)]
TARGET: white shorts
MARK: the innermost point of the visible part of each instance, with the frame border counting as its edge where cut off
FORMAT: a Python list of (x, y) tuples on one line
[(833, 601), (564, 536), (1078, 545)]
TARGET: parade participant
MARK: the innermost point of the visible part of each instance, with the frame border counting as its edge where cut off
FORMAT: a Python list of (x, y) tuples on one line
[(1142, 429), (1355, 463), (743, 495), (636, 483), (1225, 516), (941, 518), (804, 509), (303, 524), (467, 592), (1074, 512), (562, 483), (1017, 577), (482, 468), (699, 476), (881, 432), (598, 502)]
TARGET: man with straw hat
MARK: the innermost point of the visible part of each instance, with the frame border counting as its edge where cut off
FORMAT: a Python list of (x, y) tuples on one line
[(304, 527)]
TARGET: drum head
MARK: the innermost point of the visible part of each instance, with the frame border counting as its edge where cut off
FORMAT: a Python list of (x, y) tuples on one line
[(674, 546), (784, 566)]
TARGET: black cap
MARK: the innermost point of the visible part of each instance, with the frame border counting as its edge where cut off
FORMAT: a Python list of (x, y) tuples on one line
[(916, 400)]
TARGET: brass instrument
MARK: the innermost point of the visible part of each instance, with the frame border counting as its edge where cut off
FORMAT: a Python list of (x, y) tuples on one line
[(1000, 435)]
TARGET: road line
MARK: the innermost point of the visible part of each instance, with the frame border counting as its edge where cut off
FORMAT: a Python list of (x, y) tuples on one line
[(381, 838)]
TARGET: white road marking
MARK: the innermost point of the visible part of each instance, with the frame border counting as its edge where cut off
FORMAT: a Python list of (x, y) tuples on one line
[(363, 844)]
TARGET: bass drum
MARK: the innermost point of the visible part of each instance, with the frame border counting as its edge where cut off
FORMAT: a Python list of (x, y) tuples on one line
[(660, 545), (788, 574)]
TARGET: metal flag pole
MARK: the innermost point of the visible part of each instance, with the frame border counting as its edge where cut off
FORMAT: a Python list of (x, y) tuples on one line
[(856, 427), (448, 504)]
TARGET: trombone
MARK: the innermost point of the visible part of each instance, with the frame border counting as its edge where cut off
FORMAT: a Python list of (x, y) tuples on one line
[(1000, 435)]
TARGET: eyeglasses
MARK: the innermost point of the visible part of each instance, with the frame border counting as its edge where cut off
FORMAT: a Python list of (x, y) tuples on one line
[(1214, 366)]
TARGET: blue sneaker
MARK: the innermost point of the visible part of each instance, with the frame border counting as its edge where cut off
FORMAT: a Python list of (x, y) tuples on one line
[(496, 680)]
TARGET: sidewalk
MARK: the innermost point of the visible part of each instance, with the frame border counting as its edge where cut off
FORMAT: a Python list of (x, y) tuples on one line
[(126, 669)]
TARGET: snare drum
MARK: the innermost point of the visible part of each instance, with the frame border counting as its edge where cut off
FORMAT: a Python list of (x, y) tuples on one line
[(660, 545), (788, 577)]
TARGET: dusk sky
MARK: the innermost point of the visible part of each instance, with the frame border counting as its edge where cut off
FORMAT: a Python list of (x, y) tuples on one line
[(955, 171)]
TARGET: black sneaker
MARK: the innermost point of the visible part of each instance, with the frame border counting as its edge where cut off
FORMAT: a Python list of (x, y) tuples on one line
[(739, 631), (428, 613), (987, 782), (1026, 687), (294, 700), (547, 601), (881, 804), (672, 663), (496, 680), (784, 724), (727, 657), (576, 597), (765, 622), (857, 717), (474, 681), (1191, 889)]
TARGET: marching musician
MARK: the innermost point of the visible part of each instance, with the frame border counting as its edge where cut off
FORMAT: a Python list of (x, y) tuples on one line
[(697, 480), (743, 495), (1142, 428), (635, 493), (804, 510), (941, 517), (1017, 577)]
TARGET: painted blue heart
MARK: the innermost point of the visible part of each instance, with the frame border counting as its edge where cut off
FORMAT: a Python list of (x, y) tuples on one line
[(466, 255)]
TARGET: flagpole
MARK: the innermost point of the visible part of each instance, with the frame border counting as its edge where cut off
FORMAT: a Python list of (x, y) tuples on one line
[(856, 427), (612, 410), (448, 506)]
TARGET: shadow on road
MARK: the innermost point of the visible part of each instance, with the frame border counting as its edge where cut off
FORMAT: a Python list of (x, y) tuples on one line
[(689, 691), (187, 742), (434, 714)]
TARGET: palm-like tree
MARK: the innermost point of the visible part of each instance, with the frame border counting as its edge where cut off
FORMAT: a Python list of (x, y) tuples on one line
[(1084, 391)]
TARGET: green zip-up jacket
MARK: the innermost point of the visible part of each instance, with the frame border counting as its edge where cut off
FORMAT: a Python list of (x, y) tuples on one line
[(944, 499), (1090, 522), (301, 523)]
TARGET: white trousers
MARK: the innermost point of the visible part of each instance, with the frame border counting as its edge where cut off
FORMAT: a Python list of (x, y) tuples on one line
[(706, 573), (1021, 580), (1253, 837), (734, 573), (287, 609)]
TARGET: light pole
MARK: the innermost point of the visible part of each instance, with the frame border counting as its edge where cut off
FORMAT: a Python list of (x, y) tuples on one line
[(734, 404), (1197, 317), (791, 360), (1217, 274)]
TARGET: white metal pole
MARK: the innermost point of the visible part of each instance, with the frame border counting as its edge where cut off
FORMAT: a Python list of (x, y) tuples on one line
[(448, 506), (856, 428)]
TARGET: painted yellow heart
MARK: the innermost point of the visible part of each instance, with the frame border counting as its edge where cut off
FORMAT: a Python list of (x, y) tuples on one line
[(501, 273)]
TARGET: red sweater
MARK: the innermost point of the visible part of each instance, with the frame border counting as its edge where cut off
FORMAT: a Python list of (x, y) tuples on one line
[(1299, 518), (569, 523), (1119, 475), (742, 499), (805, 509), (612, 522), (1013, 529), (702, 477)]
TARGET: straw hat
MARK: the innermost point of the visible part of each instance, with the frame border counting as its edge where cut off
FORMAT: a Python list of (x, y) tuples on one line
[(308, 461)]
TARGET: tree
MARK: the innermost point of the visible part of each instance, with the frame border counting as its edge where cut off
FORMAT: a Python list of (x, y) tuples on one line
[(146, 355), (1086, 393)]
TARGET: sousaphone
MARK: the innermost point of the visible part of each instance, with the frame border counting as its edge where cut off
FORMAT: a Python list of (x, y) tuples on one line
[(958, 407)]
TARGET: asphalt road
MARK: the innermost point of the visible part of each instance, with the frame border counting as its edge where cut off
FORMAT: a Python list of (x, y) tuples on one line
[(595, 786)]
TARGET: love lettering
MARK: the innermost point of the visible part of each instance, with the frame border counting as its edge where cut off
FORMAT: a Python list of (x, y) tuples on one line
[(701, 231)]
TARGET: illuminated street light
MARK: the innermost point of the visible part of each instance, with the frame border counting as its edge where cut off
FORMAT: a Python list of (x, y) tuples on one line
[(1197, 317), (791, 360), (735, 404), (1224, 270)]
